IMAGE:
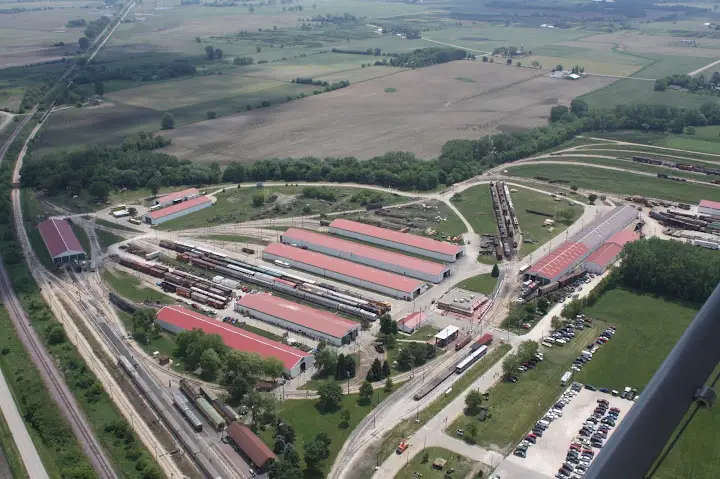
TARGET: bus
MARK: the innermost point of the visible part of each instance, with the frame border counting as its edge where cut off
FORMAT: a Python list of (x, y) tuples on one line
[(118, 208)]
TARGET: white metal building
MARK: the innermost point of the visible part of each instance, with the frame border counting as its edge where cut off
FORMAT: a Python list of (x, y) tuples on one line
[(394, 239), (447, 335), (311, 322), (177, 210), (177, 197), (708, 207), (360, 253), (387, 283)]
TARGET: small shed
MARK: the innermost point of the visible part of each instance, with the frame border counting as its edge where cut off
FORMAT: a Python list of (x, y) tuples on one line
[(439, 463)]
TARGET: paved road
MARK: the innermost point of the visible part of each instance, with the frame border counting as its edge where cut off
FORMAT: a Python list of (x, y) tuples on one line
[(28, 453)]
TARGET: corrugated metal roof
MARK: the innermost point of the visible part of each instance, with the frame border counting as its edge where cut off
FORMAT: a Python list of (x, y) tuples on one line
[(597, 232), (341, 266), (389, 257), (179, 207), (311, 318), (706, 204), (447, 332), (59, 237), (397, 237), (621, 238), (233, 337), (177, 195), (413, 320), (553, 265), (256, 450), (604, 255)]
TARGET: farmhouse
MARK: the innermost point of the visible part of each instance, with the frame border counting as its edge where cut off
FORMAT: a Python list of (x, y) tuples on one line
[(176, 319), (60, 241), (394, 239), (359, 253), (366, 277), (177, 210), (312, 322)]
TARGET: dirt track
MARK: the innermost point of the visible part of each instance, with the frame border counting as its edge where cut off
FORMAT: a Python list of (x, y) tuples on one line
[(430, 107)]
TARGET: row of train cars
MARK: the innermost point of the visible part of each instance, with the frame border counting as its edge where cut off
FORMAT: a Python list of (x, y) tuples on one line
[(160, 406), (680, 166), (277, 280)]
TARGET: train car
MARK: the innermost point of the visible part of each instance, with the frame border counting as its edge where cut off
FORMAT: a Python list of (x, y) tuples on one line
[(470, 359), (184, 407), (215, 419), (122, 303), (125, 363), (484, 340), (182, 291), (206, 466), (227, 412), (548, 288), (189, 389), (168, 287), (462, 342)]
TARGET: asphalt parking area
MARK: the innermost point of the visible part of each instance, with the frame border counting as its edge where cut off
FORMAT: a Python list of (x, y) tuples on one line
[(548, 454)]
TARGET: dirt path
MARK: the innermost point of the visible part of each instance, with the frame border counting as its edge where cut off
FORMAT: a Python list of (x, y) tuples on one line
[(702, 69)]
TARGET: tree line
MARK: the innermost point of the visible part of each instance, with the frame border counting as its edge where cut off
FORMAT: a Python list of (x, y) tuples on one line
[(136, 71), (696, 84), (424, 57)]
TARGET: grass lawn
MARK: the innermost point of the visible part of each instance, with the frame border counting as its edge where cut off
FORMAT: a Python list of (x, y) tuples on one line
[(262, 332), (308, 420), (609, 181), (236, 239), (652, 138), (515, 407), (408, 426), (462, 465), (423, 333), (83, 238), (642, 320), (113, 225), (105, 238), (626, 154), (482, 283), (38, 246), (488, 258), (165, 344), (531, 225), (129, 287), (628, 164), (235, 205), (392, 354), (475, 205), (452, 226), (317, 381)]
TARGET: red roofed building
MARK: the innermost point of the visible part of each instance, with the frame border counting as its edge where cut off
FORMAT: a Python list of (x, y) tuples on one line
[(556, 263), (177, 197), (252, 446), (374, 279), (707, 207), (311, 322), (177, 319), (412, 321), (177, 210), (394, 239), (60, 241), (360, 253), (608, 253)]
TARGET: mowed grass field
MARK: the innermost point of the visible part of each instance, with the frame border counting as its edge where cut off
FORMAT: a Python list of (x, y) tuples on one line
[(482, 283), (475, 205), (647, 329), (611, 181), (516, 407), (461, 465), (628, 164), (531, 224)]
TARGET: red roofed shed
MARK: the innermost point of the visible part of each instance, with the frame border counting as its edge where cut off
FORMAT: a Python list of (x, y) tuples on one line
[(176, 319), (251, 445), (60, 241)]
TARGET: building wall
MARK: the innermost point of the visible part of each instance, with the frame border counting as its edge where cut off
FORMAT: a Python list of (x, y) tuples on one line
[(408, 330), (348, 279), (391, 244), (165, 203), (68, 258), (596, 268), (704, 210), (291, 326), (177, 214), (398, 269)]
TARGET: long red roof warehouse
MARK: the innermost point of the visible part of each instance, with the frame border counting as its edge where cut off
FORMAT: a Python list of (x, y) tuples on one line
[(341, 266), (710, 204), (179, 207), (311, 318), (256, 450), (384, 256), (607, 253), (232, 336), (397, 237), (621, 238), (559, 259), (59, 237)]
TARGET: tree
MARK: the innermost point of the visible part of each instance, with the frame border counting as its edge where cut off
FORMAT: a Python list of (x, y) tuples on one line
[(210, 364), (273, 367), (366, 392), (284, 469), (404, 359), (579, 107), (285, 431), (387, 325), (508, 61), (536, 64), (556, 323), (55, 334), (473, 400), (99, 88), (210, 52), (84, 43), (344, 419), (197, 39), (258, 49), (326, 361), (558, 112), (559, 68), (385, 369), (527, 350), (330, 396), (211, 115), (574, 188), (495, 271), (375, 372), (154, 183), (218, 53), (510, 364), (258, 200), (591, 198), (388, 384), (317, 450), (168, 121), (340, 367), (99, 190), (251, 9)]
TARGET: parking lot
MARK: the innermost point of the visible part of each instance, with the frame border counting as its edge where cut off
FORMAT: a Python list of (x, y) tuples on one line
[(548, 454)]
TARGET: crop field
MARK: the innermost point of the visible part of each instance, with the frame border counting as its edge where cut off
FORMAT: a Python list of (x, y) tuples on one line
[(611, 181), (428, 108)]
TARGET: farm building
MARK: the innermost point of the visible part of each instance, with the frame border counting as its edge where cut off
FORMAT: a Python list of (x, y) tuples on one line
[(60, 241), (394, 239), (446, 336), (412, 321), (177, 210), (176, 197), (570, 254), (311, 322), (384, 282), (608, 253), (250, 445), (461, 301), (707, 207), (359, 253), (176, 319)]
